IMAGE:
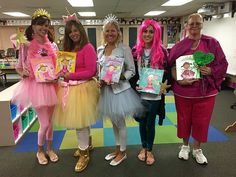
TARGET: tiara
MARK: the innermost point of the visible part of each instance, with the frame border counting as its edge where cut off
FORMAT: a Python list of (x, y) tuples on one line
[(110, 18), (41, 12), (70, 17)]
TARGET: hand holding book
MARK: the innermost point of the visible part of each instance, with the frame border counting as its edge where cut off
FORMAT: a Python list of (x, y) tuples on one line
[(24, 73), (187, 81), (150, 80)]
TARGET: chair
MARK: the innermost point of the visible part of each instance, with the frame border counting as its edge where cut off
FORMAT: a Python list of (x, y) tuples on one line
[(2, 54), (232, 127), (233, 106), (3, 78), (11, 52)]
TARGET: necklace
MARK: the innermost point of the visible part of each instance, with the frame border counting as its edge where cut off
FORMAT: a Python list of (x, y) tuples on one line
[(145, 60), (194, 48), (146, 54)]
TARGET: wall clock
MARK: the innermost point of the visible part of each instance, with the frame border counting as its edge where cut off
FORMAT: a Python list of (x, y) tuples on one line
[(61, 30)]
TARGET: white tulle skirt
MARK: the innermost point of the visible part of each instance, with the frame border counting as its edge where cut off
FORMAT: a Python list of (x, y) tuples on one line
[(119, 106)]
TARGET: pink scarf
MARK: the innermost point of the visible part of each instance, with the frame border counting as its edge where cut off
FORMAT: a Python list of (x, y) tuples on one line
[(35, 49)]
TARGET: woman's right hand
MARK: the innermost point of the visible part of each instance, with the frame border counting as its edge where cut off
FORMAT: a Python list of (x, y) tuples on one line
[(139, 88), (187, 81), (25, 73), (100, 83)]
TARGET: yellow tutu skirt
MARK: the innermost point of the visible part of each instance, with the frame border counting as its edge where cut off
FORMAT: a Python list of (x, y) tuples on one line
[(80, 108)]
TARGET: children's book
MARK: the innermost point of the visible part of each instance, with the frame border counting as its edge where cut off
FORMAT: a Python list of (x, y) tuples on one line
[(65, 62), (186, 68), (111, 69), (150, 80), (44, 69)]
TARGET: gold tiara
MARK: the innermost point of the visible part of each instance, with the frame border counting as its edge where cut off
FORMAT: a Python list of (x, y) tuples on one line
[(41, 12)]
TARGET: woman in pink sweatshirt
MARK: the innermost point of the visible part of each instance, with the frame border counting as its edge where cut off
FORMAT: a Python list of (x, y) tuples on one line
[(78, 93)]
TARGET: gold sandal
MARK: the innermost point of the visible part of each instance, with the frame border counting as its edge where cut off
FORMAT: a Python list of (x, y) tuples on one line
[(42, 160), (52, 156)]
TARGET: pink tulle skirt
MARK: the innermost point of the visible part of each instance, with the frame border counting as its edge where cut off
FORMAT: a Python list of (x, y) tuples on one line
[(38, 94)]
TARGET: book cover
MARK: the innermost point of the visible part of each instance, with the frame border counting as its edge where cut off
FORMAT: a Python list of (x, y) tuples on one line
[(186, 68), (111, 69), (150, 80), (65, 62), (44, 69)]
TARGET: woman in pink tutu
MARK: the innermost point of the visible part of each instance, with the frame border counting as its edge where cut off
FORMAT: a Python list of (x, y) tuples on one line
[(41, 95)]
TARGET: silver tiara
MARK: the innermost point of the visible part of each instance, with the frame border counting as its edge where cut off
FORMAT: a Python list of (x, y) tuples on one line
[(110, 18)]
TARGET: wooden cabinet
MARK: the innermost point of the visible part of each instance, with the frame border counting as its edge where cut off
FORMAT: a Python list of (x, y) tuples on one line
[(14, 121)]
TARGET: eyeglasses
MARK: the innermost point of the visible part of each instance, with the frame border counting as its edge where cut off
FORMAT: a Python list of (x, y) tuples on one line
[(195, 24)]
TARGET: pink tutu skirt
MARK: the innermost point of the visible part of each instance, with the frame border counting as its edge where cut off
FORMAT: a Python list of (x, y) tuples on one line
[(38, 94)]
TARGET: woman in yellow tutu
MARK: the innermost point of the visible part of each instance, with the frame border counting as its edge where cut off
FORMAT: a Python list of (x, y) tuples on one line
[(78, 93)]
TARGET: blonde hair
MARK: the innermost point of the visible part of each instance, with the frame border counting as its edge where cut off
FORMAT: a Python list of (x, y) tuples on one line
[(116, 25), (195, 14)]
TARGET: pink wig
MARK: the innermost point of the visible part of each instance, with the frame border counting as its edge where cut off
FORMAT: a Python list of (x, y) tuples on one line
[(157, 55)]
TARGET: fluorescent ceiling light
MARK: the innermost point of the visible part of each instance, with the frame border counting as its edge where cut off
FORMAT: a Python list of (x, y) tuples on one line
[(176, 2), (87, 14), (154, 13), (16, 14), (81, 3)]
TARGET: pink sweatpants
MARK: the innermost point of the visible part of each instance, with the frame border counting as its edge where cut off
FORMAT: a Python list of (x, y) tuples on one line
[(45, 124), (194, 114)]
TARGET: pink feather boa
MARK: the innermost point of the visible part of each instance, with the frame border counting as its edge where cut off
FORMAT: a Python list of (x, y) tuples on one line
[(34, 47)]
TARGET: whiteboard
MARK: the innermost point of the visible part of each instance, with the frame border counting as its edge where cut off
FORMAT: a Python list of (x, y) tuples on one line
[(224, 30)]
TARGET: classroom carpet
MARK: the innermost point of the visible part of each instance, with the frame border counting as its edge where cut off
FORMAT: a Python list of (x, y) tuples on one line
[(103, 136)]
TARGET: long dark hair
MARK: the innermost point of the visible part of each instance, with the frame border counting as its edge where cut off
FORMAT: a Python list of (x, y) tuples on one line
[(37, 21), (68, 44)]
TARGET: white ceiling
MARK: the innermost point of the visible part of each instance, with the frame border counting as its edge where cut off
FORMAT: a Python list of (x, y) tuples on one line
[(121, 8)]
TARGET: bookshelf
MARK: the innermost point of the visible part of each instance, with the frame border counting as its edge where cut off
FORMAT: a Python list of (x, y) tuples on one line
[(14, 121)]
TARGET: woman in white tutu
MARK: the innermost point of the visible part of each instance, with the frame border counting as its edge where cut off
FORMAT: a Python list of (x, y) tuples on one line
[(118, 100)]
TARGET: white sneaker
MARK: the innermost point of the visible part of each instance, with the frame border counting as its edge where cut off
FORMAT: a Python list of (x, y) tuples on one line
[(184, 152), (199, 157)]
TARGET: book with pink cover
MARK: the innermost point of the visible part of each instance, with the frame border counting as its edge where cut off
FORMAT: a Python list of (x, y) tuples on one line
[(65, 62), (111, 69), (44, 70)]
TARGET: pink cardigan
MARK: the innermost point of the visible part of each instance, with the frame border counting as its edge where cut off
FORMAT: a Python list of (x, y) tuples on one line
[(85, 64)]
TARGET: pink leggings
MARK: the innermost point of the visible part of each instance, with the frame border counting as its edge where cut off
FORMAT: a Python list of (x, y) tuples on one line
[(45, 124), (194, 115)]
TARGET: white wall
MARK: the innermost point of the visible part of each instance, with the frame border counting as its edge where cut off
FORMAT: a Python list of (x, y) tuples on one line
[(224, 30)]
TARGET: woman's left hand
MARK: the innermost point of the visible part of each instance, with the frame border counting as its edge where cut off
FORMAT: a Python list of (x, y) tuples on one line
[(205, 71), (122, 77), (108, 82), (66, 75), (51, 81), (161, 92)]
